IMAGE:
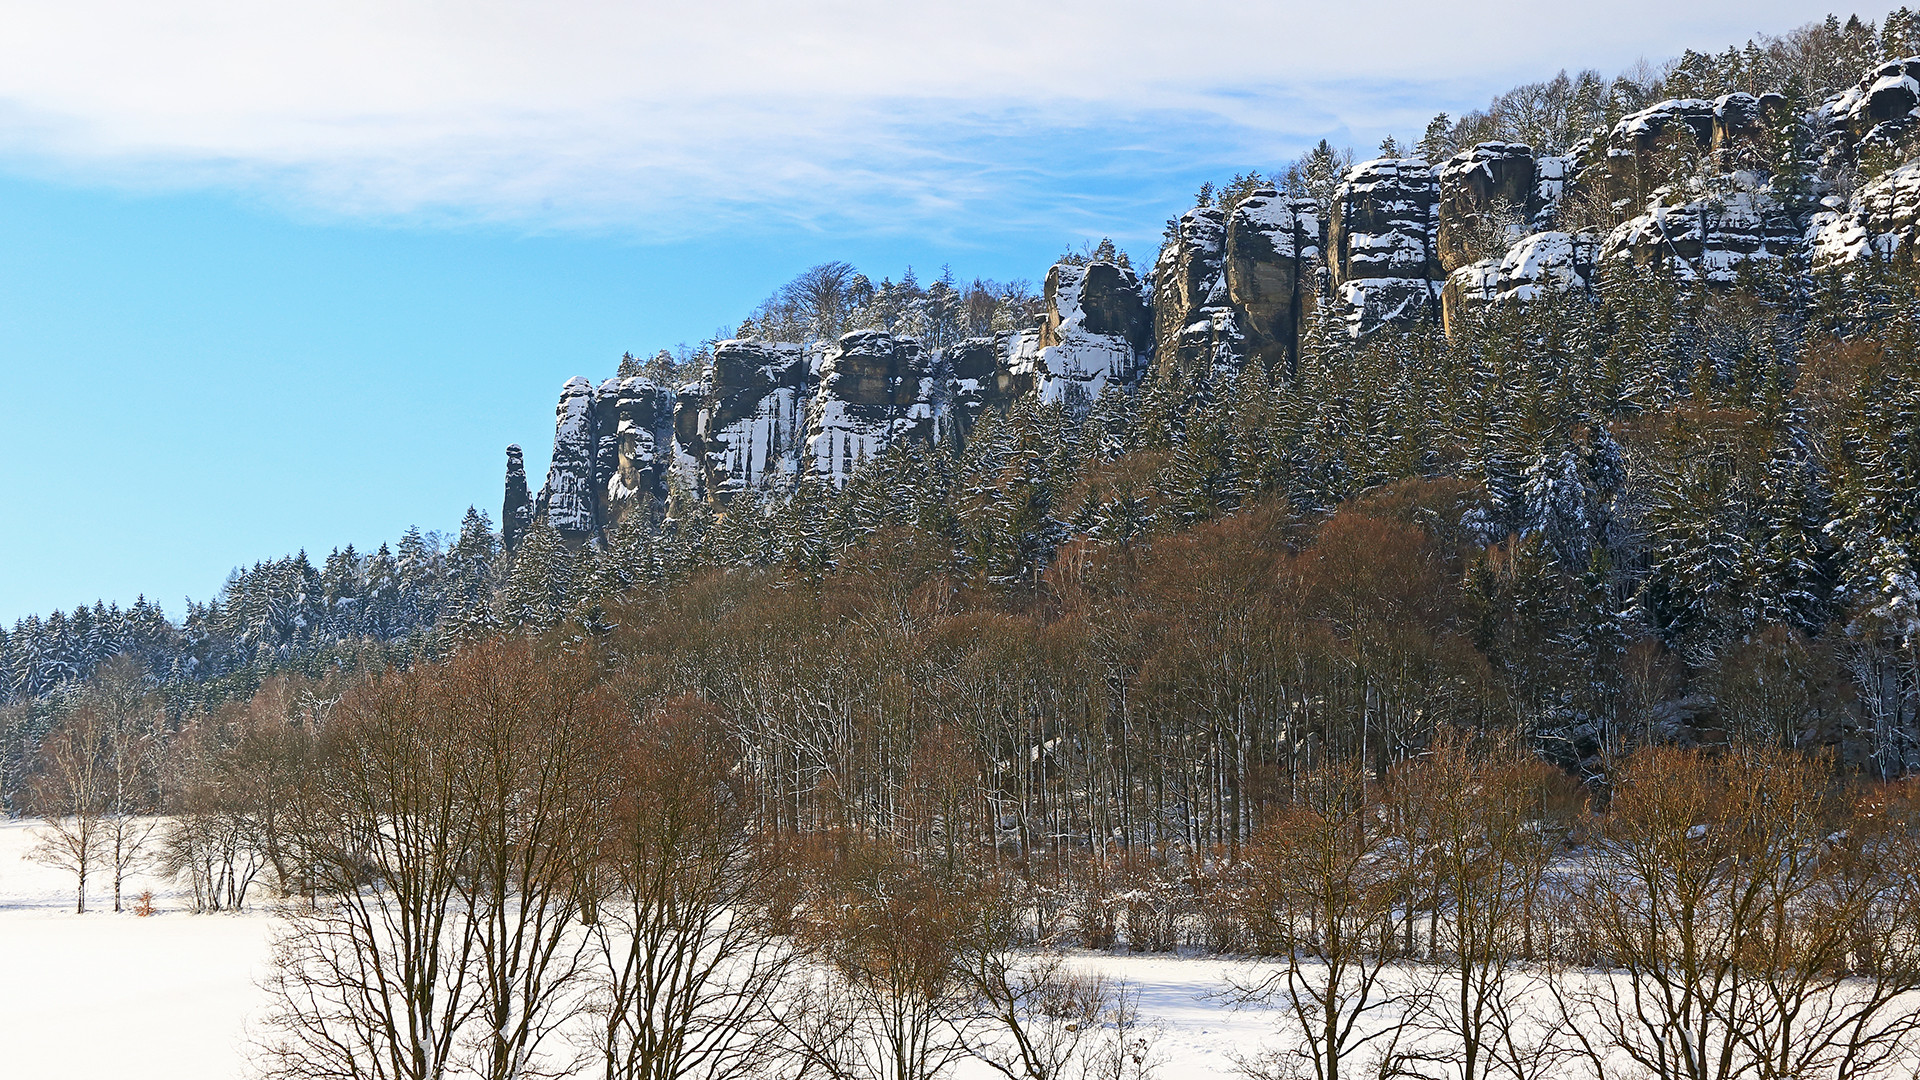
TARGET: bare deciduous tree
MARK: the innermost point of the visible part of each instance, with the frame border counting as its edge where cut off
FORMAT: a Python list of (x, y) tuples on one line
[(1474, 811), (688, 963), (1326, 907), (71, 793), (444, 842)]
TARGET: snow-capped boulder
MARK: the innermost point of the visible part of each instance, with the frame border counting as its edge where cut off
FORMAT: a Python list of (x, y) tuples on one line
[(1640, 134), (1380, 244), (1271, 260)]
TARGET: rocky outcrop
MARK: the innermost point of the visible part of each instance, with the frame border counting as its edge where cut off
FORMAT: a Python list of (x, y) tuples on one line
[(1879, 111), (570, 500), (1709, 239), (633, 420), (1636, 162), (1883, 222), (1380, 244), (750, 416), (1542, 263), (1271, 267), (1236, 288), (1097, 332), (767, 414), (875, 390), (981, 378), (516, 510), (1190, 295), (1488, 195)]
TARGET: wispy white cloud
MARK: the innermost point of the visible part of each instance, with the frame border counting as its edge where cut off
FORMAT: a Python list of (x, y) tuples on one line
[(676, 120)]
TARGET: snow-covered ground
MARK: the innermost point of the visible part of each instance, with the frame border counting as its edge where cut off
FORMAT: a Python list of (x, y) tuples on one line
[(106, 996)]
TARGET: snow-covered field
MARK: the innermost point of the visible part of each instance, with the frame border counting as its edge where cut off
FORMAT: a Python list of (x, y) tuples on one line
[(171, 996), (104, 996)]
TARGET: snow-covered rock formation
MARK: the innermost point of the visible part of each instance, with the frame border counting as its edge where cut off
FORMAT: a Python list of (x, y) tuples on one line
[(1882, 221), (1711, 237), (1192, 318), (1877, 112), (874, 390), (570, 501), (1271, 270), (768, 414), (516, 509), (1096, 332), (1380, 243), (1542, 263), (1685, 187)]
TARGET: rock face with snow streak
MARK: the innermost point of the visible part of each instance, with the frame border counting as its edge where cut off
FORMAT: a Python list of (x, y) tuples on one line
[(1271, 269), (1096, 333), (569, 501), (749, 416), (874, 390), (633, 421), (1380, 243), (768, 414)]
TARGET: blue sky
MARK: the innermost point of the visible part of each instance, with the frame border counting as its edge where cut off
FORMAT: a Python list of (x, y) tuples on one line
[(292, 276)]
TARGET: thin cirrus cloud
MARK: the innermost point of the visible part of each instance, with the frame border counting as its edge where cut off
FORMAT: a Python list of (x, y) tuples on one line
[(672, 121)]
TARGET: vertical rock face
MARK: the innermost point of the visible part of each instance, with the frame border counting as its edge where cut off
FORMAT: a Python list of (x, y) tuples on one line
[(569, 501), (767, 414), (981, 377), (1190, 302), (1380, 244), (1489, 190), (1096, 332), (875, 390), (1271, 263), (634, 422), (516, 511), (1489, 195), (750, 416)]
